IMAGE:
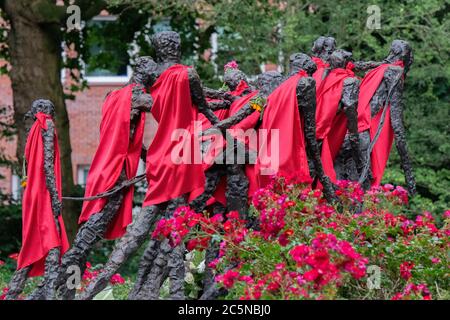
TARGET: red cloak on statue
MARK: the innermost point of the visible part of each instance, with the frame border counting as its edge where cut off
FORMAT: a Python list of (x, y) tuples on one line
[(281, 113), (115, 151), (382, 148), (319, 73), (331, 127), (39, 232), (219, 193), (173, 161)]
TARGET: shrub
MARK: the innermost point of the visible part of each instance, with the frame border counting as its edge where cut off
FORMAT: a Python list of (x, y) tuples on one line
[(362, 248)]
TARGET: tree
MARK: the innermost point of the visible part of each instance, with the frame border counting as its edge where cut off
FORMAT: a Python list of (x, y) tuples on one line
[(34, 37)]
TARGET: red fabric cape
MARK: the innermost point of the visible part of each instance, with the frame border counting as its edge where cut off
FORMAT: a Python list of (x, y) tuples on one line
[(173, 109), (282, 113), (39, 232), (382, 148), (248, 123), (114, 151), (219, 194), (331, 127), (318, 74)]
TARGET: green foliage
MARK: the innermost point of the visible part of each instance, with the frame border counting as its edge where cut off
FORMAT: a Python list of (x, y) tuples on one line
[(10, 229)]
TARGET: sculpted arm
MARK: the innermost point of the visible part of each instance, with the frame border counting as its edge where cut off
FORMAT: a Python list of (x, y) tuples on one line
[(49, 167), (306, 97), (198, 96), (349, 102), (398, 126)]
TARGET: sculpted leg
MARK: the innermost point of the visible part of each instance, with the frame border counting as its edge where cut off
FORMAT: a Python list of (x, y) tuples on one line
[(48, 288), (145, 265), (306, 95), (237, 189), (400, 139), (125, 247), (151, 253), (176, 273), (212, 176), (17, 283), (89, 234), (157, 274)]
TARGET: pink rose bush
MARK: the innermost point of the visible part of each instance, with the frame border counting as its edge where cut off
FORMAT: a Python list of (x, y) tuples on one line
[(305, 248)]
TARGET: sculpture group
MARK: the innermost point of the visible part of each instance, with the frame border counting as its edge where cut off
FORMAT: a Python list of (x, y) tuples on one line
[(331, 124)]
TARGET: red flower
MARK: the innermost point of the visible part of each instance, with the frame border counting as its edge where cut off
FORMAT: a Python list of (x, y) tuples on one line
[(14, 256), (228, 278), (117, 279), (2, 263), (4, 292), (405, 269), (311, 275)]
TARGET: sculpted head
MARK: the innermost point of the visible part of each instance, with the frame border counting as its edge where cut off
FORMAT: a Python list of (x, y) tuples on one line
[(323, 47), (268, 81), (167, 46), (339, 59), (232, 78), (301, 61), (41, 105), (401, 50), (144, 71)]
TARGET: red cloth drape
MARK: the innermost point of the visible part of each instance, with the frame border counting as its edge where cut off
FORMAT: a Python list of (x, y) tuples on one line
[(219, 194), (173, 109), (115, 150), (248, 123), (282, 114), (330, 126), (39, 232), (318, 74), (382, 148)]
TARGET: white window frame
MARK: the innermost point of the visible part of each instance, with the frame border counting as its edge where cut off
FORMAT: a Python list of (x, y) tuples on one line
[(16, 188), (80, 174), (102, 80)]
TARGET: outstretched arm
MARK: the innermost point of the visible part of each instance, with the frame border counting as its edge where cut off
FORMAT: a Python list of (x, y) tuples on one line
[(218, 94), (217, 105), (240, 115), (396, 102), (49, 167), (349, 101), (306, 97), (198, 96), (366, 65)]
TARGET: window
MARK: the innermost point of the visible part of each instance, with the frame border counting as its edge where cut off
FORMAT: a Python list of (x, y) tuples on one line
[(107, 58), (82, 173), (16, 188)]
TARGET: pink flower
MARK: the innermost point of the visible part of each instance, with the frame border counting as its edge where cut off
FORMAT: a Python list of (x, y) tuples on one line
[(228, 278), (405, 269), (117, 279), (2, 263), (435, 260), (311, 275), (231, 65), (4, 292)]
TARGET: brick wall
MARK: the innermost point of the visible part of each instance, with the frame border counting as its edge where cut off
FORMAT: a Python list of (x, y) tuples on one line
[(7, 147)]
